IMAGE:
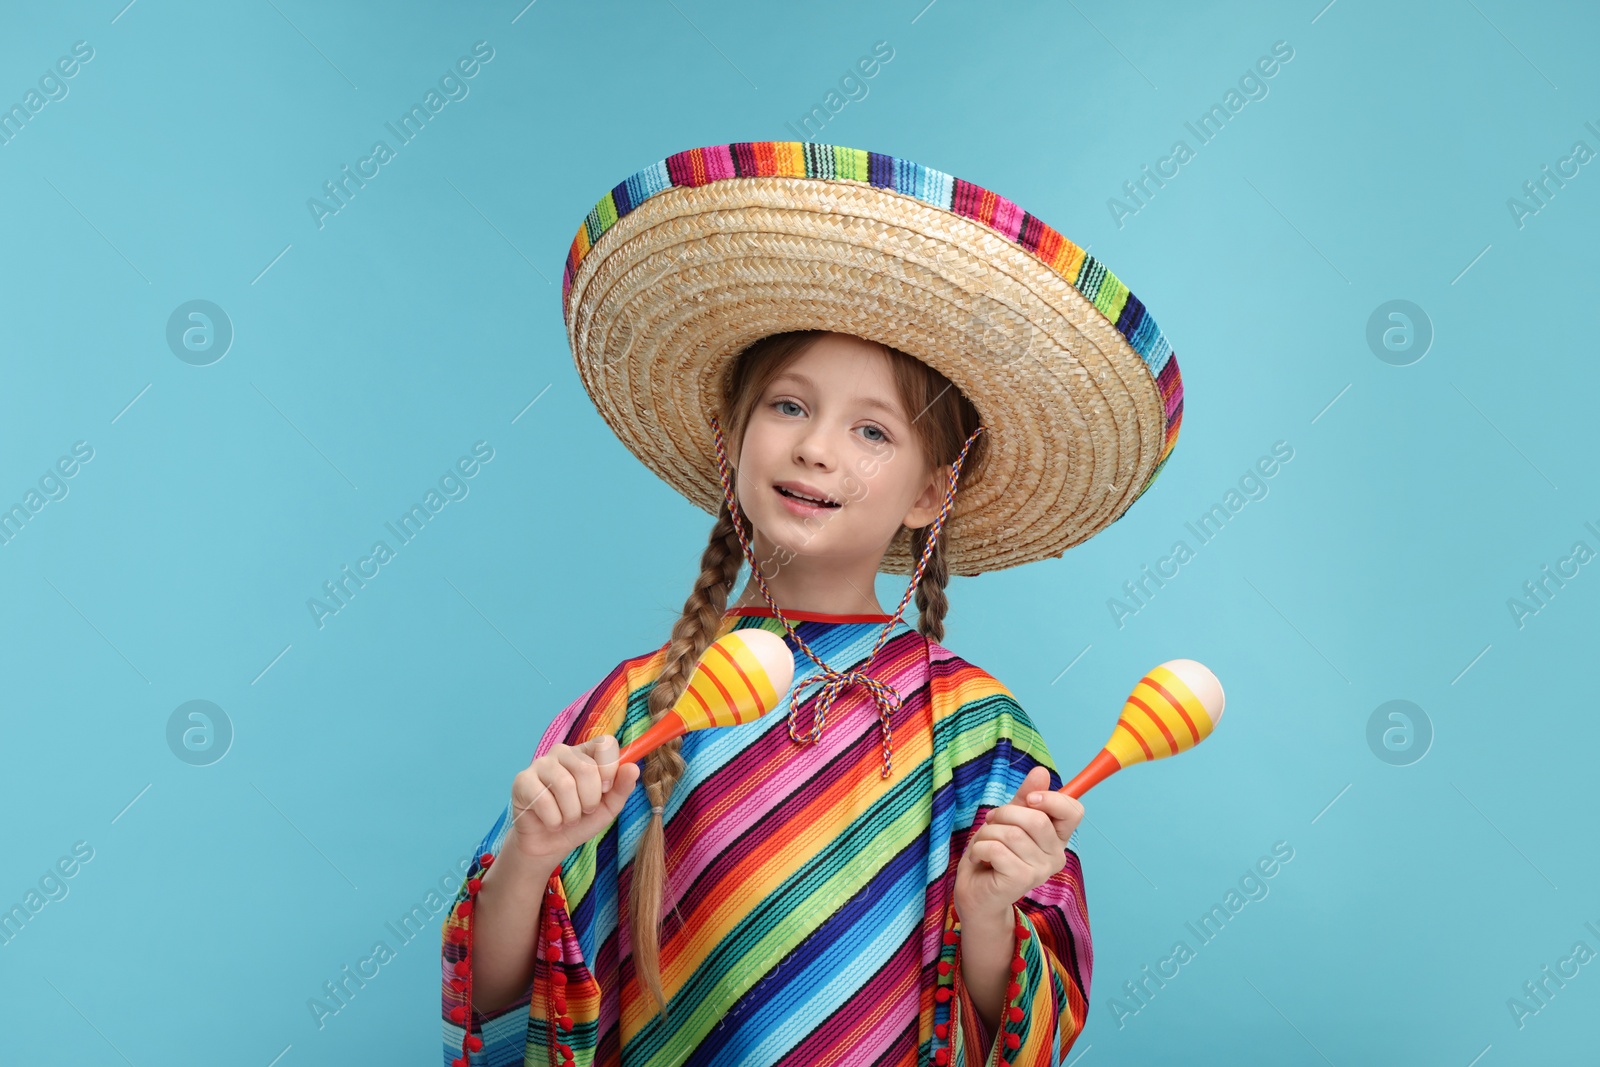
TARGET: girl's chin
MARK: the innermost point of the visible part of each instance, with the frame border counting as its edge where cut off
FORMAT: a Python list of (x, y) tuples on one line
[(821, 537), (795, 542)]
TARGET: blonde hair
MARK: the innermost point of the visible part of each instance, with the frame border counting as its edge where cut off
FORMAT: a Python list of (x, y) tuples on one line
[(944, 420)]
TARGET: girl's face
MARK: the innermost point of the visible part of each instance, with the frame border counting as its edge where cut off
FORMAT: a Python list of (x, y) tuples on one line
[(830, 426)]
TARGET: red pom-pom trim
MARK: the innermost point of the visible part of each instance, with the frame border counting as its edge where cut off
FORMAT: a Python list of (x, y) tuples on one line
[(1018, 966), (944, 966), (464, 908), (463, 968), (942, 1030), (1012, 990), (941, 994), (474, 884), (486, 860), (458, 1014), (1013, 1041), (951, 937), (942, 1056), (1014, 1014), (474, 1042)]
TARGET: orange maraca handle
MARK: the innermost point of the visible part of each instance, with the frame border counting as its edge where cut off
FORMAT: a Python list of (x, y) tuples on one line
[(663, 730), (1100, 768)]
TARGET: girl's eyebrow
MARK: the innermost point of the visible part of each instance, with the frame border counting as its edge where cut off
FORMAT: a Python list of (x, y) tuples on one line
[(863, 401)]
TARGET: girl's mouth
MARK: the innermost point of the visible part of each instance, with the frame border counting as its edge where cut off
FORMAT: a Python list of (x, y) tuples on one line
[(801, 504)]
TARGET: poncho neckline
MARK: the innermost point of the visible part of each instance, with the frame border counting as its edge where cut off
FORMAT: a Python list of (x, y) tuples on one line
[(808, 616)]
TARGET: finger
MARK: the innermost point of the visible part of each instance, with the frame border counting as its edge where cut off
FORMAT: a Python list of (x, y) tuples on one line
[(530, 794), (1065, 812), (1005, 863), (565, 791), (1036, 824), (545, 808), (585, 776), (1011, 865), (1038, 777), (627, 777), (604, 750), (1026, 847)]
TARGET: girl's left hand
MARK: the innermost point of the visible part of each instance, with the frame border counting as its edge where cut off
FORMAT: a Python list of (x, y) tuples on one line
[(1019, 847)]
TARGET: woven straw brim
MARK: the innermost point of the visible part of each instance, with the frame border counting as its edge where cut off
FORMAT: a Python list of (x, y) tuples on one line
[(1076, 423)]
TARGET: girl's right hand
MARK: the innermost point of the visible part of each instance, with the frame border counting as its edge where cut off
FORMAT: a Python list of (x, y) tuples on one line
[(567, 796)]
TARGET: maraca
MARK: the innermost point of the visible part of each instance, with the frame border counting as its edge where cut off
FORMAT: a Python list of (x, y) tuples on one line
[(1173, 708), (741, 677)]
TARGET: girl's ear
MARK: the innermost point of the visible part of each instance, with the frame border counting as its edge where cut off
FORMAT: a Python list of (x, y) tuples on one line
[(926, 507)]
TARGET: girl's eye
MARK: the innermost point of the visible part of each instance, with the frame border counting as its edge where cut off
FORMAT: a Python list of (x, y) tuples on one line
[(870, 429)]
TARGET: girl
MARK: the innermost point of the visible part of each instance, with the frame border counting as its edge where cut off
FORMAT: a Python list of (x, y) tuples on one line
[(877, 871)]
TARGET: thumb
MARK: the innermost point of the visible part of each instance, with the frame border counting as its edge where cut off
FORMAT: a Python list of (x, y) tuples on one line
[(604, 751), (1037, 778)]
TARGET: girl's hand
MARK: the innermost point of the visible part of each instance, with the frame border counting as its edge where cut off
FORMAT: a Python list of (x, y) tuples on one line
[(1019, 847), (567, 796)]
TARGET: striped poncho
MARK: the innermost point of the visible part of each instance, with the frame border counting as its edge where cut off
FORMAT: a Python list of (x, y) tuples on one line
[(807, 896)]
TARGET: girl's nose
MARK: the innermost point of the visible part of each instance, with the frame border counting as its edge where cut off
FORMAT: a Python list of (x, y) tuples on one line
[(815, 449)]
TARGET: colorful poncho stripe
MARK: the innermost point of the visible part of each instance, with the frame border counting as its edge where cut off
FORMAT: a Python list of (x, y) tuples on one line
[(807, 896)]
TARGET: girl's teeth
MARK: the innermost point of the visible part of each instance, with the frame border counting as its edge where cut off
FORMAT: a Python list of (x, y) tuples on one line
[(807, 499)]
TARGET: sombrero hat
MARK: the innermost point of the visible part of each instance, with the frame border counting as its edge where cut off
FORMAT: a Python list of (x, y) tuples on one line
[(680, 267)]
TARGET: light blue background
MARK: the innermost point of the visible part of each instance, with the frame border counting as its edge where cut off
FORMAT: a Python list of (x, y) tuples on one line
[(371, 754)]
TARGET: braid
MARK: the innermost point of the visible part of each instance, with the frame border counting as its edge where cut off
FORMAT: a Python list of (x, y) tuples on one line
[(691, 636), (931, 601)]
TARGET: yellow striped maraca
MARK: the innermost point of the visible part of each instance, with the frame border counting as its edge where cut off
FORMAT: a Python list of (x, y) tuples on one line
[(1172, 709), (741, 677)]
